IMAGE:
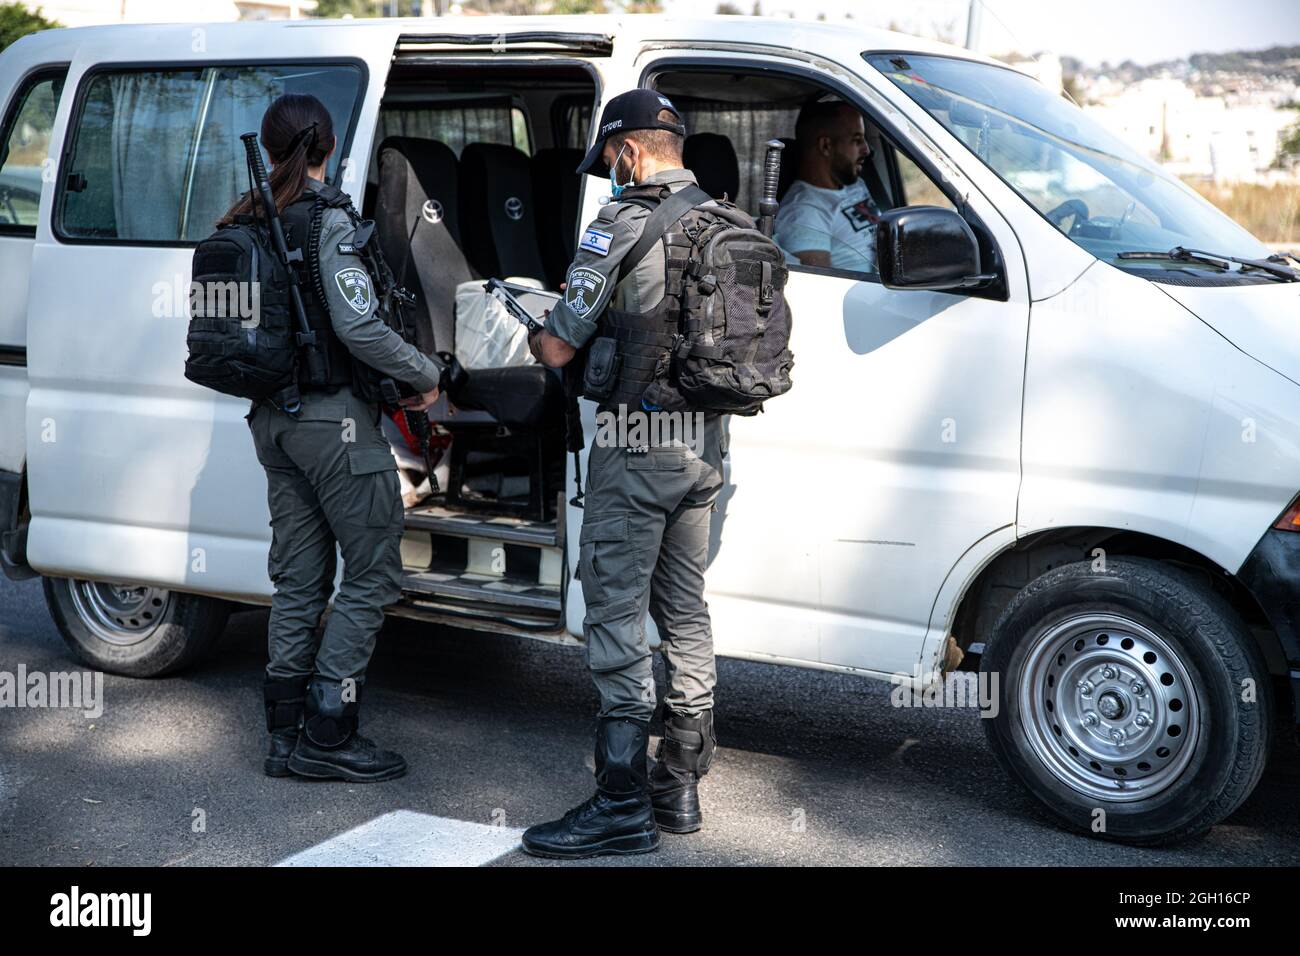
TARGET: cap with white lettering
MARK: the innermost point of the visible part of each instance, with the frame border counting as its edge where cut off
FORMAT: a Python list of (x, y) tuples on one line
[(635, 109)]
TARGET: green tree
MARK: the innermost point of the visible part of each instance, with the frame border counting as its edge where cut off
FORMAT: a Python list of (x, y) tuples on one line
[(1288, 146), (17, 21), (728, 9), (327, 9), (577, 6)]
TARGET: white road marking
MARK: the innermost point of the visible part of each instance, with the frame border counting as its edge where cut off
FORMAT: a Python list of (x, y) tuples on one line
[(406, 838)]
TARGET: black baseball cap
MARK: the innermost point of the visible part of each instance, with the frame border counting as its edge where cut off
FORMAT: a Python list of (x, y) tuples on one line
[(635, 109)]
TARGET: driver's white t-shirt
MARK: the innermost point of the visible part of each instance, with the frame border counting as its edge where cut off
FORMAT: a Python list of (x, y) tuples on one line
[(839, 221)]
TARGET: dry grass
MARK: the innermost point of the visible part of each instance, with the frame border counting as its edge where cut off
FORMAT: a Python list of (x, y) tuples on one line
[(1272, 213)]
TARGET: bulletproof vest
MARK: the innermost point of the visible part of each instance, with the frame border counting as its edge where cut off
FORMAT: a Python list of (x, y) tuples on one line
[(301, 220), (630, 349)]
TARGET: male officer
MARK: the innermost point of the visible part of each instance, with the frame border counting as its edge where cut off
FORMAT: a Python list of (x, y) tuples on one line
[(645, 531), (331, 479), (828, 216)]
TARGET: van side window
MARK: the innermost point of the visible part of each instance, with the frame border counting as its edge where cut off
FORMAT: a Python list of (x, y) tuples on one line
[(571, 122), (26, 145), (918, 188), (458, 126), (156, 155)]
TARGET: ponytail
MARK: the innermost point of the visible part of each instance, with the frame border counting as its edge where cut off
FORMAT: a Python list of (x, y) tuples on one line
[(297, 133)]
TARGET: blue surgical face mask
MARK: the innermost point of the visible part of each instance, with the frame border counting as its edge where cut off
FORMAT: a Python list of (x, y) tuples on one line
[(615, 187)]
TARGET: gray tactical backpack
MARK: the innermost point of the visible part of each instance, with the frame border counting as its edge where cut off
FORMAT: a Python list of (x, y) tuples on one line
[(731, 353)]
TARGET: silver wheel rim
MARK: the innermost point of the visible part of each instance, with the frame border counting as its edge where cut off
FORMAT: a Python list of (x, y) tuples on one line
[(119, 613), (1109, 707)]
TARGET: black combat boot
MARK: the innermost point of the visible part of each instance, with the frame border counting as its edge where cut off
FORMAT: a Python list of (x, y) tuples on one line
[(618, 819), (284, 709), (682, 758), (330, 748)]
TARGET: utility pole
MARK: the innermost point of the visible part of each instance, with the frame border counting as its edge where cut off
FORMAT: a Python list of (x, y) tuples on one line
[(973, 25)]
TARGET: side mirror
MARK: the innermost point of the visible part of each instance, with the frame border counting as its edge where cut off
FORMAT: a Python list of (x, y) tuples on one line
[(927, 247)]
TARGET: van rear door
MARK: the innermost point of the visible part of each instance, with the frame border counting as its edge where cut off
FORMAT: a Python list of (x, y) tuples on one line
[(135, 474)]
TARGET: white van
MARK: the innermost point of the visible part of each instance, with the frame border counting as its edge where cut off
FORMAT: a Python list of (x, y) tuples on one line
[(1077, 466)]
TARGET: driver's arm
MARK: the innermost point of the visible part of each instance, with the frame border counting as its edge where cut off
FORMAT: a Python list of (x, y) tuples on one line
[(805, 230), (814, 257)]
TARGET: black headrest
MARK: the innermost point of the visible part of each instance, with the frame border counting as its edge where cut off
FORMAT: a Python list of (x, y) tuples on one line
[(789, 166), (498, 215), (712, 158), (556, 187), (417, 222)]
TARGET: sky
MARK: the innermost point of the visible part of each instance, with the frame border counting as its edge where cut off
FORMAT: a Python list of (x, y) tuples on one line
[(1145, 31)]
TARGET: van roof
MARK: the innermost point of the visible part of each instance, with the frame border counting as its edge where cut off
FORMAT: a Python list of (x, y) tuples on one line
[(770, 31)]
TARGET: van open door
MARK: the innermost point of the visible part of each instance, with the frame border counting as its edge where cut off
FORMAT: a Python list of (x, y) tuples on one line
[(32, 73)]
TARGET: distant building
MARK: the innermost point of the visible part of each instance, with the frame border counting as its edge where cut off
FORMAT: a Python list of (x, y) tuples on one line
[(1227, 138)]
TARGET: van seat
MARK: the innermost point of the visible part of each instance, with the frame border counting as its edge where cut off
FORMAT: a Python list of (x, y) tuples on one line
[(417, 220), (556, 187), (789, 167), (712, 158), (498, 214)]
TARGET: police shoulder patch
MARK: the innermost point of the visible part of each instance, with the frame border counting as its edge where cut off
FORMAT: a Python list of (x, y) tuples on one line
[(354, 285), (584, 289)]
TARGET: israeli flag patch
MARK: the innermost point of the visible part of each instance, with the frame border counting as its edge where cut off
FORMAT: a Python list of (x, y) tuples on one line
[(593, 240)]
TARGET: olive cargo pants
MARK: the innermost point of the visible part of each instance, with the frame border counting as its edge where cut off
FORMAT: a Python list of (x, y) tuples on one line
[(330, 479), (644, 545)]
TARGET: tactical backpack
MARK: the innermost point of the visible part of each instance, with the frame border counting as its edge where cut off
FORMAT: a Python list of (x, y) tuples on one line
[(720, 341), (242, 337), (255, 356)]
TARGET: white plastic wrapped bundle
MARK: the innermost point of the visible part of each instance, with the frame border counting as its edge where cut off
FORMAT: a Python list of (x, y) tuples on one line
[(487, 336)]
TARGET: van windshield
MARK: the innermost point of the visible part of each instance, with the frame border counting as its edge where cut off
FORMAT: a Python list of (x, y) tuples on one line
[(1086, 182)]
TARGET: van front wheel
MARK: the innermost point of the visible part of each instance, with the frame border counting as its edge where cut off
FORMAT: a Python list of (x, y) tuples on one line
[(1133, 701), (138, 631)]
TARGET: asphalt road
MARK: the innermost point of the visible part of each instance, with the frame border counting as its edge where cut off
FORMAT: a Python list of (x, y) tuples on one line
[(813, 767)]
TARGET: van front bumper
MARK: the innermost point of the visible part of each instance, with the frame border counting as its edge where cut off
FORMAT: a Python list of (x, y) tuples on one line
[(1272, 575)]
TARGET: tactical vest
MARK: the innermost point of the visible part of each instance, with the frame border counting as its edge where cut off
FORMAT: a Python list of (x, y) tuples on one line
[(630, 347), (301, 220)]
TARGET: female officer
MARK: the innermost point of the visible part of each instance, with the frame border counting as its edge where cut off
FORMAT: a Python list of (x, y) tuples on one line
[(330, 475)]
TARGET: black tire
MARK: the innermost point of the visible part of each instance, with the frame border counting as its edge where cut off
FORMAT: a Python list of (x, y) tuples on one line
[(1050, 734), (156, 632)]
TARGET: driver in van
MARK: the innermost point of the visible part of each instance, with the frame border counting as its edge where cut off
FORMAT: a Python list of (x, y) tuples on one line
[(828, 216)]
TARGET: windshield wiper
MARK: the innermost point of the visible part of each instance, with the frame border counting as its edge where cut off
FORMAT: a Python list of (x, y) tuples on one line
[(1271, 265)]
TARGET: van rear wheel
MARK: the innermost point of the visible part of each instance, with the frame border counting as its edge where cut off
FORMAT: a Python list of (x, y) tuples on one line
[(1133, 701), (138, 631)]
